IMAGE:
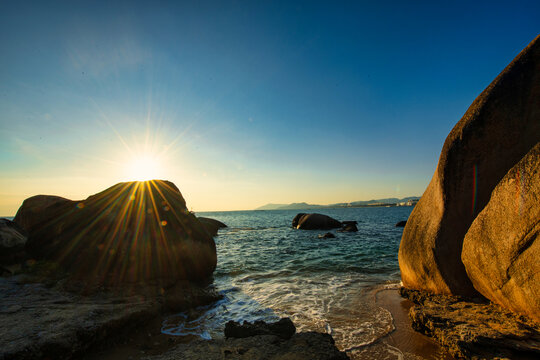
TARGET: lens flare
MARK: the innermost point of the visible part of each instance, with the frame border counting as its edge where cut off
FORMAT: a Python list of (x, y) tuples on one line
[(143, 168)]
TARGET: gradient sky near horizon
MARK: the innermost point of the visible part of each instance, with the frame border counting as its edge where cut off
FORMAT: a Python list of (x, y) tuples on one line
[(243, 103)]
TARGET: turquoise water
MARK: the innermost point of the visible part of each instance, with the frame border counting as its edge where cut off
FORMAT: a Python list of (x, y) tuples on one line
[(267, 270)]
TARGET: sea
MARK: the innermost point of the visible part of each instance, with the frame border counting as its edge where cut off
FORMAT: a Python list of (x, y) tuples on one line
[(267, 270)]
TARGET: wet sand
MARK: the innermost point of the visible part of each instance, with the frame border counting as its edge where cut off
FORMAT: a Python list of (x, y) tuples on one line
[(408, 343)]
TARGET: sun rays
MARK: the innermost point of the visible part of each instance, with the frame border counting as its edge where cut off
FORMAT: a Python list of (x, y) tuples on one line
[(144, 167)]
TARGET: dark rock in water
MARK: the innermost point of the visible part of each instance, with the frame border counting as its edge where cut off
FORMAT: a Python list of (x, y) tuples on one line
[(296, 220), (301, 346), (473, 329), (500, 127), (327, 236), (501, 250), (211, 225), (315, 222), (348, 227), (349, 222), (284, 328), (401, 223), (132, 232), (12, 241)]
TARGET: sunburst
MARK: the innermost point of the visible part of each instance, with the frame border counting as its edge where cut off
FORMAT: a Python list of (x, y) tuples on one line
[(144, 167)]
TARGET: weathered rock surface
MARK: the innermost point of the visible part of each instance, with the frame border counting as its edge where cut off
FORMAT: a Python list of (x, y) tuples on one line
[(498, 129), (301, 346), (211, 225), (41, 322), (473, 330), (12, 241), (131, 232), (284, 328), (315, 222), (501, 250)]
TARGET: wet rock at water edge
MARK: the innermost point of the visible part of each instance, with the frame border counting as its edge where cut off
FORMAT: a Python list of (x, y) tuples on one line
[(401, 223), (315, 222), (473, 328), (284, 328), (211, 225), (349, 226), (327, 235)]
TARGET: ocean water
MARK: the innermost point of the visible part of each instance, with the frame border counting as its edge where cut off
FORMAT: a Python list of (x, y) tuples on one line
[(267, 270)]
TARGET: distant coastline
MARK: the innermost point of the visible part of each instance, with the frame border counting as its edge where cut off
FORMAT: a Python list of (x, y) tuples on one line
[(408, 201)]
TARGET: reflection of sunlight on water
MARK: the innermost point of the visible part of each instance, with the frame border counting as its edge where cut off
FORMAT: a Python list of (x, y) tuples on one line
[(328, 304), (208, 322), (266, 270)]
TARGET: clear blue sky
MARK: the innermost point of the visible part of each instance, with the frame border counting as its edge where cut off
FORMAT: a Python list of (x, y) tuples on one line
[(241, 103)]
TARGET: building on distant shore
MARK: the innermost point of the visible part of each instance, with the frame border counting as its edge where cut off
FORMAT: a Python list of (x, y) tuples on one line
[(411, 202)]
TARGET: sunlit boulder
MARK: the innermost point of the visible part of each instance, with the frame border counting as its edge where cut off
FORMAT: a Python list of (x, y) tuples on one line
[(131, 232), (498, 129), (501, 251)]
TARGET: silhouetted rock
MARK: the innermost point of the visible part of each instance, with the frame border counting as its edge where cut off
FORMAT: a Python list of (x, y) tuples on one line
[(401, 223), (315, 222), (211, 225), (501, 250), (12, 241), (473, 330), (327, 235), (296, 219), (498, 129), (131, 232), (34, 210), (301, 346), (284, 328)]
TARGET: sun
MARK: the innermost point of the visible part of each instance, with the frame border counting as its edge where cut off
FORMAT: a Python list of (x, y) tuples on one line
[(143, 168)]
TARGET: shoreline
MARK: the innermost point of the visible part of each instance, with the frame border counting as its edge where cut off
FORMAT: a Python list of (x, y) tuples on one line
[(403, 338)]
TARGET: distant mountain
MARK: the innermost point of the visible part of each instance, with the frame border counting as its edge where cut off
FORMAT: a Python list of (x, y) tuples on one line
[(270, 207), (300, 206), (293, 206), (306, 206)]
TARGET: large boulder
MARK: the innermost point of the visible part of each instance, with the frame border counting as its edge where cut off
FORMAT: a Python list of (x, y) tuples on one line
[(501, 250), (211, 225), (32, 211), (12, 241), (498, 129), (315, 222), (131, 232)]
